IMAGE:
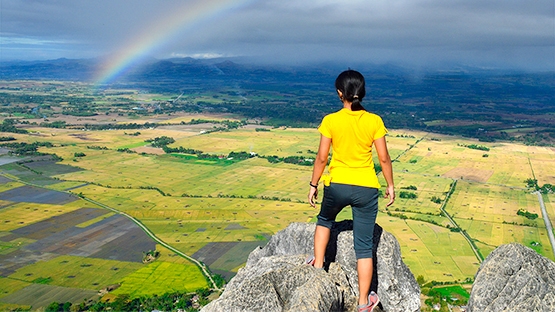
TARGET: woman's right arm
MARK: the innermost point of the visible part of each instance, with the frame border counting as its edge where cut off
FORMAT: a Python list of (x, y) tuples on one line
[(387, 168)]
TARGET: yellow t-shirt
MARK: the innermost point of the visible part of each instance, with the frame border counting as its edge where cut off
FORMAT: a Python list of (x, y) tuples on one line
[(352, 135)]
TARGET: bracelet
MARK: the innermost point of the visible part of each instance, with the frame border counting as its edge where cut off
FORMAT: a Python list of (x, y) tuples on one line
[(310, 183)]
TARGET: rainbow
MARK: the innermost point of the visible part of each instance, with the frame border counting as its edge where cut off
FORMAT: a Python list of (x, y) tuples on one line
[(180, 20)]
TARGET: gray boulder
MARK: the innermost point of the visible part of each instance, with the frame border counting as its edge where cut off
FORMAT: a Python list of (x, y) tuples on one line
[(275, 277), (514, 278)]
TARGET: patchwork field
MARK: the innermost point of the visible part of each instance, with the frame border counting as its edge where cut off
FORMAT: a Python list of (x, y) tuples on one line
[(52, 248), (217, 211)]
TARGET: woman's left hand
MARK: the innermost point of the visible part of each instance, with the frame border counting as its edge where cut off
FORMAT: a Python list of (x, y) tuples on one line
[(312, 196)]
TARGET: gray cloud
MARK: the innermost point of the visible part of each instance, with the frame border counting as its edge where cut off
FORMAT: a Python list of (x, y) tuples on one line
[(511, 33)]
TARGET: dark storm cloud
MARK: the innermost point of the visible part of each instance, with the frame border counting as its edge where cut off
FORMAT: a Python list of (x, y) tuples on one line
[(519, 34)]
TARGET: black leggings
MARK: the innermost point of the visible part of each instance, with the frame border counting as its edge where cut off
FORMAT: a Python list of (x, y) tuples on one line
[(364, 203)]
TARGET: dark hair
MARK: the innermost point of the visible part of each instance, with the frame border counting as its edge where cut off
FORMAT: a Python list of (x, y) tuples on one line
[(351, 84)]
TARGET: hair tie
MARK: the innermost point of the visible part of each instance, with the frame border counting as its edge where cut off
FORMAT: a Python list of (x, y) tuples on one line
[(355, 97)]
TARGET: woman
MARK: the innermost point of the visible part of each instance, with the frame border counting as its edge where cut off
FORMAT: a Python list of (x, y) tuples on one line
[(351, 132)]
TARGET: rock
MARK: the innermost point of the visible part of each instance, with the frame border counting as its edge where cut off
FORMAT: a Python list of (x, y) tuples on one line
[(275, 277), (514, 278)]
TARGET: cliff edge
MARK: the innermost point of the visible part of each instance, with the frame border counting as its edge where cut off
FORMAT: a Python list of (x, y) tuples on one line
[(275, 277)]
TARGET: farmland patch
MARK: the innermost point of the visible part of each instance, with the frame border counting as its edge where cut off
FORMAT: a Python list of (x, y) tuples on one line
[(57, 224), (51, 168), (160, 277), (472, 174), (78, 272), (38, 295), (31, 194), (8, 159)]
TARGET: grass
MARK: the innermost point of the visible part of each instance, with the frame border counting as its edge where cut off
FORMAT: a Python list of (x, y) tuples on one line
[(21, 214), (95, 220), (161, 277), (10, 286), (15, 244), (487, 212), (39, 296), (452, 291), (77, 272), (489, 192), (211, 162)]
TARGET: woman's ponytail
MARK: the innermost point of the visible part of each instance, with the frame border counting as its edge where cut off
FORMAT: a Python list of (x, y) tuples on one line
[(356, 105), (352, 85)]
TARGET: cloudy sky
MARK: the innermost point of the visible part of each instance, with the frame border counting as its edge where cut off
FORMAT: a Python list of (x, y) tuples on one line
[(486, 33)]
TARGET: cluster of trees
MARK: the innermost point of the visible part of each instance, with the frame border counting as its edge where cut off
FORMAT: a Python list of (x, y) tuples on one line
[(7, 139), (296, 160), (176, 301), (544, 189), (26, 149), (436, 200), (272, 198), (476, 147), (55, 124), (154, 188), (405, 217), (454, 229), (150, 255), (160, 141), (96, 147), (182, 150), (163, 142), (407, 195), (240, 155), (547, 188), (123, 126), (229, 124), (8, 125), (125, 150), (527, 214)]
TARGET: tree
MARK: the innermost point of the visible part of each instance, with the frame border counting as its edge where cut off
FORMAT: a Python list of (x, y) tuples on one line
[(420, 280), (531, 183), (53, 307)]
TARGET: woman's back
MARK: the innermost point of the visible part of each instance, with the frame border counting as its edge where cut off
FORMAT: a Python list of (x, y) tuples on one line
[(352, 134)]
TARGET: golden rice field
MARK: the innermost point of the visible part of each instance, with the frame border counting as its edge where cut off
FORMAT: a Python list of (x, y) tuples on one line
[(21, 214), (77, 272), (192, 205)]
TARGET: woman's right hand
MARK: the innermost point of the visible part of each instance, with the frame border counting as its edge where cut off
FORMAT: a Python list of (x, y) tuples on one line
[(390, 192), (312, 196)]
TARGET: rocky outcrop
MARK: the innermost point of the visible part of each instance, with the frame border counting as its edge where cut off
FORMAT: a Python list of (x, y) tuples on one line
[(275, 277), (514, 278)]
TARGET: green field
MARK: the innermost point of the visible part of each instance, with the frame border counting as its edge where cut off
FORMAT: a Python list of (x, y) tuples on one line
[(161, 277), (233, 205), (77, 272)]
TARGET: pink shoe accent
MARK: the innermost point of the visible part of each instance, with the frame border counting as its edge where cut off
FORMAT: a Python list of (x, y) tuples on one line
[(373, 301)]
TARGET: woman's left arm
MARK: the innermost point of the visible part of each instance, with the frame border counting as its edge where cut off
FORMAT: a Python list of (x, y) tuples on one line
[(319, 165)]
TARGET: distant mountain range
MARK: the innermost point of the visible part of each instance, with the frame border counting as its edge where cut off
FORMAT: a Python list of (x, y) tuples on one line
[(215, 70)]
